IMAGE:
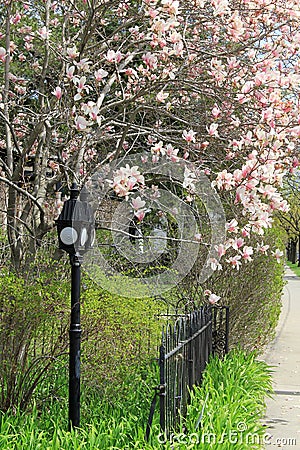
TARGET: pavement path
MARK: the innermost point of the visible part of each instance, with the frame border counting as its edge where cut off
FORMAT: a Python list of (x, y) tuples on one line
[(283, 354)]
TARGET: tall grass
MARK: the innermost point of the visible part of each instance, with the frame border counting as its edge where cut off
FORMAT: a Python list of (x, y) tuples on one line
[(118, 422), (232, 396), (231, 401)]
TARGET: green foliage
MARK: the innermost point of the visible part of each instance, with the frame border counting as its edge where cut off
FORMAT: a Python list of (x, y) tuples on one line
[(32, 333), (294, 268), (290, 221), (253, 295), (226, 410), (119, 334), (232, 393), (120, 425)]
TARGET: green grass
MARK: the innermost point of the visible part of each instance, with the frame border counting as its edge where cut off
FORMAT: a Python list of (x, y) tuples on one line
[(232, 396), (294, 268), (118, 422), (232, 403)]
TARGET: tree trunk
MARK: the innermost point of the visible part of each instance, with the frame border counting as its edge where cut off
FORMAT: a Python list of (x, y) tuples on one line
[(293, 251)]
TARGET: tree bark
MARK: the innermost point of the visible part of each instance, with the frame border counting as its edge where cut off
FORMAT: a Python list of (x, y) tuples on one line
[(293, 251)]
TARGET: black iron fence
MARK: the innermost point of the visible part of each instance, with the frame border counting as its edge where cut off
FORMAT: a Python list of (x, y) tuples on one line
[(184, 352)]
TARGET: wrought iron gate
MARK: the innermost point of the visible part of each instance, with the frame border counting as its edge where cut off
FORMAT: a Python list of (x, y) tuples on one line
[(184, 352)]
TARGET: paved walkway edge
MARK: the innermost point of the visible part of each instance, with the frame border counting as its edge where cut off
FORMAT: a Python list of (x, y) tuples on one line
[(283, 354)]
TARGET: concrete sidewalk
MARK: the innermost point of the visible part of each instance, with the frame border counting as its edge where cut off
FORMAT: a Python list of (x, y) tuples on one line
[(283, 411)]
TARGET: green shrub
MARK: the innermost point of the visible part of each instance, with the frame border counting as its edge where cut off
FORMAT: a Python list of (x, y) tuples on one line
[(118, 333), (254, 296), (33, 333)]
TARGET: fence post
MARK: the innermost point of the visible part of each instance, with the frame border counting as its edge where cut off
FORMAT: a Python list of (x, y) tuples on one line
[(227, 330), (190, 353), (162, 387)]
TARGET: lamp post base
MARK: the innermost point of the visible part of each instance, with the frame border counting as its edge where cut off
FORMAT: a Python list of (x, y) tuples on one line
[(75, 341)]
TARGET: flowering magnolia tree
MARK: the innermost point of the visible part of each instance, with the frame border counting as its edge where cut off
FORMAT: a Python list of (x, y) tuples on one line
[(212, 82)]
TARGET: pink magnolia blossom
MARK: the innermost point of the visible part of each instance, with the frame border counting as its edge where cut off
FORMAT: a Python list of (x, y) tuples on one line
[(236, 27), (189, 136), (213, 299), (234, 261), (245, 232), (127, 178), (70, 72), (44, 33), (246, 253), (91, 109), (81, 87), (57, 92), (238, 243), (150, 60), (2, 54), (224, 180), (83, 65), (277, 254), (216, 112), (214, 264), (232, 226), (189, 180), (140, 214), (81, 123), (247, 87), (221, 7), (16, 19), (171, 5), (178, 48), (100, 74), (175, 37), (72, 52), (262, 248), (137, 203), (162, 96), (158, 148), (114, 57), (28, 46), (213, 130), (221, 249)]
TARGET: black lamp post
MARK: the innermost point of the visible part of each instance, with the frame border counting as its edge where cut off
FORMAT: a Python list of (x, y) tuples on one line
[(76, 233)]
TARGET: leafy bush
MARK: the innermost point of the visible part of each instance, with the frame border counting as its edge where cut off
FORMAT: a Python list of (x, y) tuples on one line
[(32, 333), (118, 333), (253, 295)]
